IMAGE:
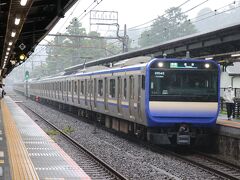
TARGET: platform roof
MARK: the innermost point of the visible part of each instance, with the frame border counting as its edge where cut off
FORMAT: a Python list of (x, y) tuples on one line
[(219, 44), (37, 18)]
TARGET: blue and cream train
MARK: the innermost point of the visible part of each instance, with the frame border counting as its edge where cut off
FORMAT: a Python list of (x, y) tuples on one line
[(167, 101)]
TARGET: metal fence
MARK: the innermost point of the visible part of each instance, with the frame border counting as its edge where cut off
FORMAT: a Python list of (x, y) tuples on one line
[(236, 92)]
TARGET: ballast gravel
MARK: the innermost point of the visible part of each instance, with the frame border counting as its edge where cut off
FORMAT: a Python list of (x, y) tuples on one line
[(134, 161)]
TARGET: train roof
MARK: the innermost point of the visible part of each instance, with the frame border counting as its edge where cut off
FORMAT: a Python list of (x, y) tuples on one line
[(133, 61), (119, 67), (87, 72)]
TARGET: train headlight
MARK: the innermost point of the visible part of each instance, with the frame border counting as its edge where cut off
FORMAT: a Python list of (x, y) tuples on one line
[(207, 65), (160, 64)]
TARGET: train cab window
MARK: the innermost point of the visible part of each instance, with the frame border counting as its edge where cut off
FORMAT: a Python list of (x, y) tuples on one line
[(100, 87), (82, 87), (125, 88), (112, 88), (187, 85)]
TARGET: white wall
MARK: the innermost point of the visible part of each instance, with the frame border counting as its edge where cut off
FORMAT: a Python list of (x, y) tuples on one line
[(226, 80)]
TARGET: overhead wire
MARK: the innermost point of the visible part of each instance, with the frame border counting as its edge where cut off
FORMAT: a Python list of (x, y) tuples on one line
[(74, 9), (168, 27), (134, 27), (87, 12), (42, 48), (91, 9)]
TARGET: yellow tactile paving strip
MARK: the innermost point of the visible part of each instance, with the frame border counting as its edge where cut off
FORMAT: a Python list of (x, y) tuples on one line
[(228, 123), (21, 164)]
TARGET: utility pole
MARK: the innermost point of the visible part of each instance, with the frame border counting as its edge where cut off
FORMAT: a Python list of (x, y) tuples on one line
[(125, 39)]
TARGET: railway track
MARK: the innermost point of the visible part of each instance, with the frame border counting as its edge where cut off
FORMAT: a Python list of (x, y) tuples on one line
[(220, 168), (91, 164), (212, 165)]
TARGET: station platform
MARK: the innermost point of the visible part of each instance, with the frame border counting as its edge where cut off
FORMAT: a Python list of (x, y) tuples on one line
[(227, 139), (27, 152), (228, 127)]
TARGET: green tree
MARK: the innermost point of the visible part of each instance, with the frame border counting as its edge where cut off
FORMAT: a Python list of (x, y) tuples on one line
[(86, 47), (173, 25), (209, 20), (77, 48), (39, 71), (56, 55)]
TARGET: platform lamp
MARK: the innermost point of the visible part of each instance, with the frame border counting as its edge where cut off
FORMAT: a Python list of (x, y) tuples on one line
[(23, 2), (22, 57)]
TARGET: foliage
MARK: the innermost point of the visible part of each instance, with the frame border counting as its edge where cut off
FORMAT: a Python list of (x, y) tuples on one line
[(52, 132), (208, 19), (77, 48), (173, 25), (68, 130)]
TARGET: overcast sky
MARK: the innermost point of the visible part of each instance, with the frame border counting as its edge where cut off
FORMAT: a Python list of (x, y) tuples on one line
[(135, 12)]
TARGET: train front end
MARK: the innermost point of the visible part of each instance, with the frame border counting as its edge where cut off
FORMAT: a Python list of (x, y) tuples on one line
[(182, 100)]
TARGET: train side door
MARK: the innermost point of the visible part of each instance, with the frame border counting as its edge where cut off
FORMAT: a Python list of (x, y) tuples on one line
[(138, 97), (73, 90), (61, 89), (78, 91), (91, 96), (106, 93), (131, 96), (67, 89), (119, 94), (94, 92), (86, 91), (57, 90)]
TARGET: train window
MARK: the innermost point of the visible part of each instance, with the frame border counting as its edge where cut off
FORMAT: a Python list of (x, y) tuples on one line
[(143, 82), (100, 87), (69, 86), (112, 88), (78, 90), (187, 85), (89, 87), (125, 88), (86, 88), (131, 87), (75, 90), (82, 87), (75, 87)]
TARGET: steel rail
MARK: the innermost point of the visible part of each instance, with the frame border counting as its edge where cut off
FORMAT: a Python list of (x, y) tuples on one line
[(191, 159), (107, 167)]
